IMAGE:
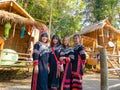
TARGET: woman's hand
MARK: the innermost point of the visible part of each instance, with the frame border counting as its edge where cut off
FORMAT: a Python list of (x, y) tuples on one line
[(36, 69), (62, 58), (48, 69)]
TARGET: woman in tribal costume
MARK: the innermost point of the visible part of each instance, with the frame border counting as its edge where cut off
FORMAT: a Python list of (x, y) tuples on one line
[(78, 64), (54, 64), (69, 57), (40, 62)]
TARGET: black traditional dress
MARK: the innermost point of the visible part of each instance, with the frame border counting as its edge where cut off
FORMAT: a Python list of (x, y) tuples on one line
[(77, 67), (40, 57), (66, 81), (54, 64)]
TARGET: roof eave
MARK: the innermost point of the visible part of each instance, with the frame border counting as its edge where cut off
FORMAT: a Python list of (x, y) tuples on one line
[(21, 10), (25, 13)]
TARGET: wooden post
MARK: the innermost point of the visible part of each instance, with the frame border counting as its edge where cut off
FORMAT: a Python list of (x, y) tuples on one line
[(104, 69)]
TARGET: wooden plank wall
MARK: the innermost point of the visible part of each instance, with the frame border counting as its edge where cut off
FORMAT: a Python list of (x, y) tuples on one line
[(15, 42)]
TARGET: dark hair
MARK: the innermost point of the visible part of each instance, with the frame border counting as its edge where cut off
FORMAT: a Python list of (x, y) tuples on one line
[(76, 35), (55, 37), (43, 35), (63, 42)]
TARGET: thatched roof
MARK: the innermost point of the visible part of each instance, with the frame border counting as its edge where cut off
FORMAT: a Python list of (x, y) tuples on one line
[(12, 6), (10, 11), (11, 17), (97, 26)]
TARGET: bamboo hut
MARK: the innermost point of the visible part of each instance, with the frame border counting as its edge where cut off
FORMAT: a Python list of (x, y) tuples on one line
[(11, 12), (98, 35), (103, 34)]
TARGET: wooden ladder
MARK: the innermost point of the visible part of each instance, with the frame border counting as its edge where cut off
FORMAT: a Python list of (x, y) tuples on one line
[(115, 65)]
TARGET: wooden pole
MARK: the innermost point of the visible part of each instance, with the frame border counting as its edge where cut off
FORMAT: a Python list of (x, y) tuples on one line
[(104, 69)]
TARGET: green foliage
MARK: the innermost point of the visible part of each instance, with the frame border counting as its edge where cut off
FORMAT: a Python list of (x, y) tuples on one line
[(66, 14), (69, 16), (107, 9), (103, 9)]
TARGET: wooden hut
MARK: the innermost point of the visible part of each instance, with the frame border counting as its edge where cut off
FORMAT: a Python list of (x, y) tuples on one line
[(104, 35), (11, 12), (98, 35)]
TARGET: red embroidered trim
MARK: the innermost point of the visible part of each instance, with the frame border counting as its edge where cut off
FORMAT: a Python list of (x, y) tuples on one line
[(35, 62), (83, 62), (67, 80), (48, 65), (34, 81), (79, 62), (77, 80), (64, 77), (77, 85), (67, 86), (77, 74), (57, 61)]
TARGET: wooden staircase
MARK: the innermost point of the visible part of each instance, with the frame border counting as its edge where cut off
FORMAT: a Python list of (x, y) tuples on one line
[(115, 65)]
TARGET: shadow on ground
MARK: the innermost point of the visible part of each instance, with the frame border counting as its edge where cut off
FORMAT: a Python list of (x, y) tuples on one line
[(7, 75)]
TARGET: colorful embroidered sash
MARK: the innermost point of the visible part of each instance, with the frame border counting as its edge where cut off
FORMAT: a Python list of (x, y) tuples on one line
[(58, 63)]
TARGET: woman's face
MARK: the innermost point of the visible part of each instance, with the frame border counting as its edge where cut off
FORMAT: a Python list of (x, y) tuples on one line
[(55, 41), (66, 42), (44, 39), (76, 40)]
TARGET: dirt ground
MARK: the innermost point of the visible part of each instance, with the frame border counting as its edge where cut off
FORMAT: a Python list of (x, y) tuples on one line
[(22, 81), (15, 79), (91, 81)]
